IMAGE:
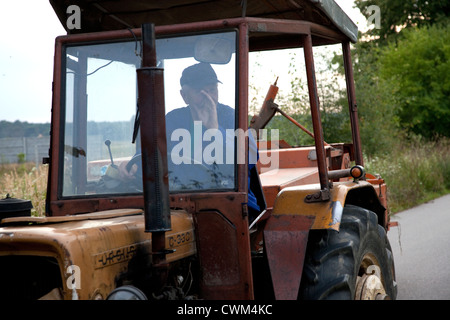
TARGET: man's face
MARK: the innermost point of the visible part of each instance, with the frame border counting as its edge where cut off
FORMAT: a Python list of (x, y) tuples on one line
[(196, 96)]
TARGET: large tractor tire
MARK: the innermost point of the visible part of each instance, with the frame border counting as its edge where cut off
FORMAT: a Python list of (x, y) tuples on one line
[(354, 263)]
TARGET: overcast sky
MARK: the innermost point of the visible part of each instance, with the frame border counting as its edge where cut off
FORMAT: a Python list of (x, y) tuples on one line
[(27, 33)]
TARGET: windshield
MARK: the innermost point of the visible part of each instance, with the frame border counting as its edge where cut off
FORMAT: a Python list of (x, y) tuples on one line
[(100, 110)]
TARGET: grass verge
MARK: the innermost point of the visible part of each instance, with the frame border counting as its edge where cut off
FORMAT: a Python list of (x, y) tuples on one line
[(25, 181), (414, 173)]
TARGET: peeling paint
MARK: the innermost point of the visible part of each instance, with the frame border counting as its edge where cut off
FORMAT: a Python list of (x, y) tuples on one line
[(336, 213), (6, 234)]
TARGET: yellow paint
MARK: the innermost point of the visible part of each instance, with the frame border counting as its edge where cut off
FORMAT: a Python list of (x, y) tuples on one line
[(328, 214), (101, 245)]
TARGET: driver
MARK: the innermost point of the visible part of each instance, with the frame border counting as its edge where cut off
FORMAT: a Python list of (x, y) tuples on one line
[(199, 90)]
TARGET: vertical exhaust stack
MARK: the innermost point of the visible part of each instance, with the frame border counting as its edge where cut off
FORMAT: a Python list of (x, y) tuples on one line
[(153, 145)]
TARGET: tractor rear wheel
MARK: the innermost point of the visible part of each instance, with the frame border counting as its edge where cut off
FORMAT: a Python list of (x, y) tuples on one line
[(354, 263)]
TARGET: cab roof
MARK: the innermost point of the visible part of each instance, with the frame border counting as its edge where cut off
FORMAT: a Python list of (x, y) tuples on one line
[(107, 15)]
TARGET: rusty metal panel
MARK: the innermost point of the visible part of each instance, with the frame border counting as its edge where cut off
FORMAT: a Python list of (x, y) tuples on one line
[(285, 240), (223, 248), (218, 249), (275, 180), (105, 245)]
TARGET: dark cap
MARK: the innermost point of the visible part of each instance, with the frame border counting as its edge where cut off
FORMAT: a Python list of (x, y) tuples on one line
[(199, 75)]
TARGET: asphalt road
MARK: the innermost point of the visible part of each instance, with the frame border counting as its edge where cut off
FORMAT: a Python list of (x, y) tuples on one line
[(421, 248)]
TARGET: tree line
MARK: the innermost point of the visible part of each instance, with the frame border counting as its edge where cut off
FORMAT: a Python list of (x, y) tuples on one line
[(19, 129)]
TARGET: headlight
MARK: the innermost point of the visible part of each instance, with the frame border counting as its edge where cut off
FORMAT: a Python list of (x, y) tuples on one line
[(126, 293)]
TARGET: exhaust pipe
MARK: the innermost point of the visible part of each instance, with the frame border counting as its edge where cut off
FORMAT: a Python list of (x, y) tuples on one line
[(153, 145)]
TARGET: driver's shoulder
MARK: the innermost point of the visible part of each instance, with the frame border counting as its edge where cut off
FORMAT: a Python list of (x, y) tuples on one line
[(177, 118), (226, 116), (175, 113)]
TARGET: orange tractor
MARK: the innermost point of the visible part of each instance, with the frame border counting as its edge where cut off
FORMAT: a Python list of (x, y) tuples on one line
[(196, 215)]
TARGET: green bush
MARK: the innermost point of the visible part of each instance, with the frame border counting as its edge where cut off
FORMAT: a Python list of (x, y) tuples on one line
[(415, 173), (417, 69), (21, 158)]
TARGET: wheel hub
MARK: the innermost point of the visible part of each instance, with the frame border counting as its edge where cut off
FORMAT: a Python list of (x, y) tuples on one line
[(370, 287)]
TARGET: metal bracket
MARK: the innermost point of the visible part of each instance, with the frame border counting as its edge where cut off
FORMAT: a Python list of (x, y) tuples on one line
[(322, 195)]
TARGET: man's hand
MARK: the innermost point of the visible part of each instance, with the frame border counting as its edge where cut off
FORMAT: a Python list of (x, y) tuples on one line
[(126, 175), (208, 114), (203, 104)]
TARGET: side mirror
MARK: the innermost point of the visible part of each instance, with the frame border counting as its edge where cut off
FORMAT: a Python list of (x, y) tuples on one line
[(214, 49)]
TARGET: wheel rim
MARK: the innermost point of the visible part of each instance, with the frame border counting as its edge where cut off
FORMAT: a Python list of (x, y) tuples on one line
[(369, 284)]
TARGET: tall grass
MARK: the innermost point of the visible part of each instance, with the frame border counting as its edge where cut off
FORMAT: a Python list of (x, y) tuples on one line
[(414, 173), (25, 181)]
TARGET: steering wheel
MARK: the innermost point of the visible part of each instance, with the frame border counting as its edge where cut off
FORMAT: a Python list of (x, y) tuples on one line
[(135, 160), (190, 174)]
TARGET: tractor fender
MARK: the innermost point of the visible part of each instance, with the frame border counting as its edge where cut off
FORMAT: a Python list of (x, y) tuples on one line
[(328, 214), (287, 229)]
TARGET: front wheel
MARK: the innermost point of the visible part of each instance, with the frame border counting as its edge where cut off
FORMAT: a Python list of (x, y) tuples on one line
[(354, 263)]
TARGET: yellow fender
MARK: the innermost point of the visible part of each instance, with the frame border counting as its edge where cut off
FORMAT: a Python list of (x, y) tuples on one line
[(328, 214)]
